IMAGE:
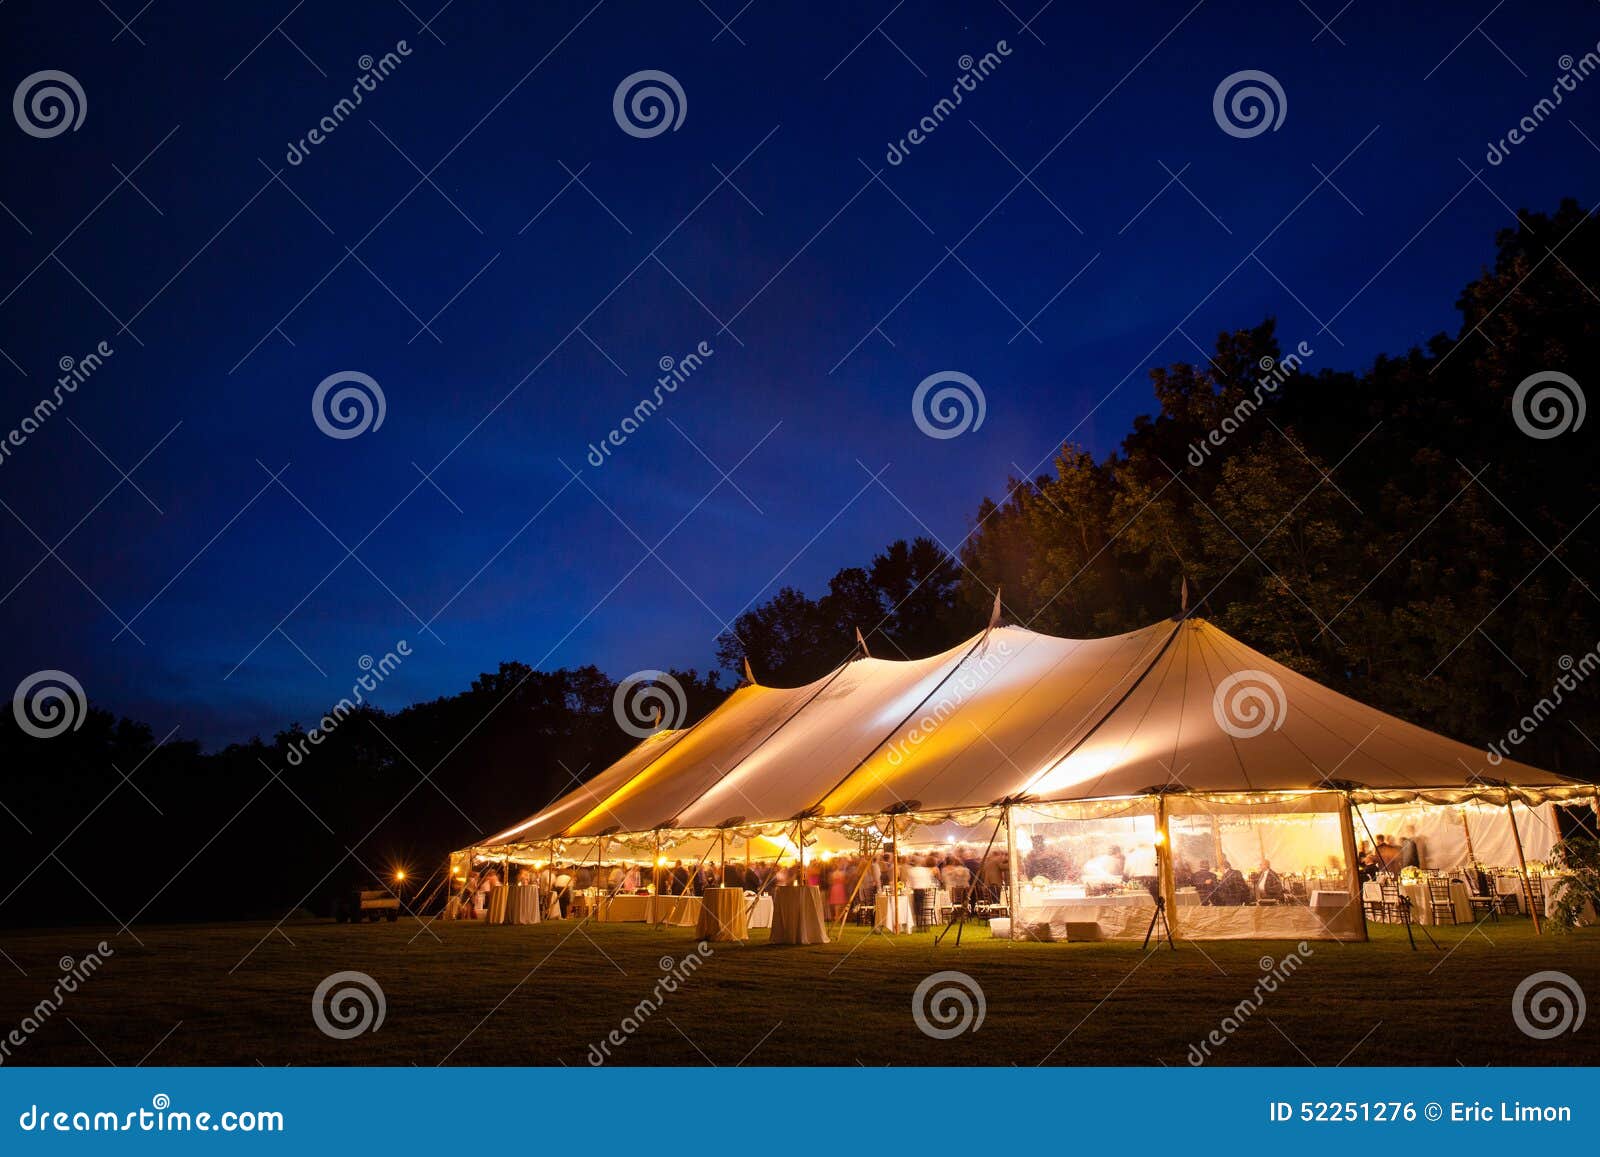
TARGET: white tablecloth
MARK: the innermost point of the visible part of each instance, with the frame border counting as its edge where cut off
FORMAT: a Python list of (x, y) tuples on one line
[(722, 915), (761, 914), (797, 916), (881, 912), (519, 905)]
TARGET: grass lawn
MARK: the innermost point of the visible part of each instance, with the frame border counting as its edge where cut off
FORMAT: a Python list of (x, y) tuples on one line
[(470, 994)]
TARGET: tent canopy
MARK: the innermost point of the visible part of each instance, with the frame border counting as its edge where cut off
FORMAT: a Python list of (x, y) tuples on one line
[(1012, 715)]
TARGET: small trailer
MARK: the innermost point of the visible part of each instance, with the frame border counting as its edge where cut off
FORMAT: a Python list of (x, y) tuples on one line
[(377, 904)]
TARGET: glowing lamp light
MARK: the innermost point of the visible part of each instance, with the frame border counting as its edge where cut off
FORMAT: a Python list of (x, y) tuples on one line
[(400, 876), (661, 861), (1161, 838)]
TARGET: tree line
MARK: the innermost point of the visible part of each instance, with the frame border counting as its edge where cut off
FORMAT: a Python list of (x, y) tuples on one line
[(1413, 534)]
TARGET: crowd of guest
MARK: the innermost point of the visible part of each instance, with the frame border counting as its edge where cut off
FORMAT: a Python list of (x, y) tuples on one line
[(1386, 856), (845, 880)]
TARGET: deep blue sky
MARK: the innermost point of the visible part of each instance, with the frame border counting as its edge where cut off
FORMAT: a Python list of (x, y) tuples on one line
[(801, 261)]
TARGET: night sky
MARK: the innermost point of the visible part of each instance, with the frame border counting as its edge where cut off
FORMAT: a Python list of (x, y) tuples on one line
[(483, 239)]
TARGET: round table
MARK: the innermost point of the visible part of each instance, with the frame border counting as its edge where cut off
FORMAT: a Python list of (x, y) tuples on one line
[(521, 905), (722, 915), (797, 915)]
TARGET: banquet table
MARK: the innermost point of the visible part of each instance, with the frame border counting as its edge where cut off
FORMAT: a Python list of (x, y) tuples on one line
[(515, 904), (1552, 886), (797, 915), (1421, 903), (760, 915), (722, 915)]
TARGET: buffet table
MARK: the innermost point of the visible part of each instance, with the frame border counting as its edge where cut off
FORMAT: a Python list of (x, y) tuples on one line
[(797, 916)]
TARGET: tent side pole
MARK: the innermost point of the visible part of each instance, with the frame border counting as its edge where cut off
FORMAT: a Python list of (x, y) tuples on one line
[(1166, 881), (1527, 884), (1466, 830), (1013, 874), (1352, 869), (894, 875)]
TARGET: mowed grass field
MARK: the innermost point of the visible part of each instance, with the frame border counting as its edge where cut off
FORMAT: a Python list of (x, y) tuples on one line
[(471, 994)]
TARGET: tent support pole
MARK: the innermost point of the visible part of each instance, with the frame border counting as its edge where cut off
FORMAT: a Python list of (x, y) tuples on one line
[(1466, 830), (894, 875), (1352, 869), (1166, 881), (1527, 884), (1013, 874)]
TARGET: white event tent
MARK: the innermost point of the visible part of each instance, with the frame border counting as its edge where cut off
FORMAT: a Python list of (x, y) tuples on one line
[(1175, 746)]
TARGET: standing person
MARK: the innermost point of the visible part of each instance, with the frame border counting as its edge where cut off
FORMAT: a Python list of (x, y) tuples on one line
[(994, 877), (563, 887), (956, 878), (837, 896), (1410, 847), (920, 878)]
